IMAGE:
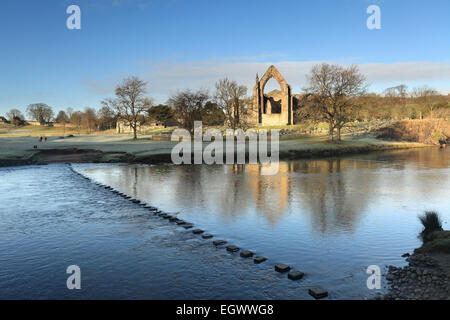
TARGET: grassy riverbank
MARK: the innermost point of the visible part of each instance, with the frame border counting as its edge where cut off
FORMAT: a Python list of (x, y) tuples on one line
[(17, 150), (427, 275)]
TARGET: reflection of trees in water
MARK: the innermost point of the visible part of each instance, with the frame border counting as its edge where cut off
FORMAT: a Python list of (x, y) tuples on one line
[(271, 194), (333, 192), (335, 197)]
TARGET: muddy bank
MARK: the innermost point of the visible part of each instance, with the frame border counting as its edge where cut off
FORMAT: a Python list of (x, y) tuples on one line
[(75, 155), (347, 150), (427, 275)]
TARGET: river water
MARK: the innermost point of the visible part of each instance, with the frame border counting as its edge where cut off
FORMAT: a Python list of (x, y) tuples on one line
[(329, 218)]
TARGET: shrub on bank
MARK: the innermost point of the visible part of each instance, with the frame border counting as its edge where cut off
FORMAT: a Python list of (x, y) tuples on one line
[(431, 222)]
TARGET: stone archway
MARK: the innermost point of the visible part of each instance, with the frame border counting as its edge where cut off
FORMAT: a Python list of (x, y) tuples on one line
[(263, 103)]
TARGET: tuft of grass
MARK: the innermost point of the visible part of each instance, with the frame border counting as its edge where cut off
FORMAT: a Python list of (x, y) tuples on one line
[(431, 222)]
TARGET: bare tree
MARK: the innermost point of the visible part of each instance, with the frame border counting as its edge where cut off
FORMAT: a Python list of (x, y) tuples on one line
[(426, 97), (396, 97), (69, 112), (15, 117), (130, 102), (106, 118), (333, 91), (230, 97), (62, 118), (188, 106), (14, 113), (89, 119), (76, 120), (40, 112)]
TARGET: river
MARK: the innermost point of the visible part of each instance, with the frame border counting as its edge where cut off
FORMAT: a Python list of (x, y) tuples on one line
[(330, 218)]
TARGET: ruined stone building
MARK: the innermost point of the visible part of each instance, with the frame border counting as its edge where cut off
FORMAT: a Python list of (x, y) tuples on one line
[(275, 107)]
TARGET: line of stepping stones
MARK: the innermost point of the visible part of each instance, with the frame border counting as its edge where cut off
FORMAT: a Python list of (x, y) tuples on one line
[(317, 292)]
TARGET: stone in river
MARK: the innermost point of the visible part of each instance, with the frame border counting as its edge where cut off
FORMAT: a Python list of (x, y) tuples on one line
[(207, 236), (187, 226), (318, 292), (219, 242), (281, 267), (259, 259), (181, 222), (247, 254), (295, 275), (233, 248), (197, 231)]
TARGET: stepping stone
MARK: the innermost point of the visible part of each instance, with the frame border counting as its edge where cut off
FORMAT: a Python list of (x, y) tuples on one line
[(167, 216), (295, 275), (136, 201), (247, 254), (181, 222), (163, 215), (318, 292), (281, 267), (173, 219), (207, 236), (259, 259), (233, 248), (219, 242), (188, 225), (197, 231)]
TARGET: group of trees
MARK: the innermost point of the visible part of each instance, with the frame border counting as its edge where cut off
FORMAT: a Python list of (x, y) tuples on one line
[(334, 94), (15, 117), (89, 120), (134, 108), (393, 104), (338, 95)]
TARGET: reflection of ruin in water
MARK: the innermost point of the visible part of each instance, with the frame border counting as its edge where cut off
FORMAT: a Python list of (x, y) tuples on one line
[(333, 193)]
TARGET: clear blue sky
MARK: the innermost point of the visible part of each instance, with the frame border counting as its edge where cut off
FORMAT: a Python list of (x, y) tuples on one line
[(175, 44)]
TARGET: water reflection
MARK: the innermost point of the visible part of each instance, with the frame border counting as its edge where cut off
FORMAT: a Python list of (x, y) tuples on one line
[(329, 217), (333, 193)]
